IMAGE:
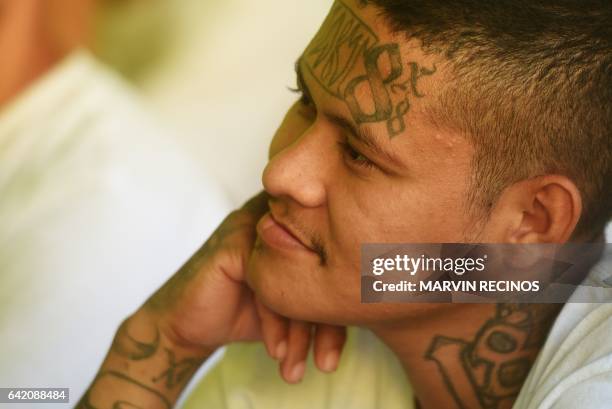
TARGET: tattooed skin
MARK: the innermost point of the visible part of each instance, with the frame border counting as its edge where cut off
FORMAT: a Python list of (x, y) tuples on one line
[(149, 363), (348, 60), (122, 385), (493, 365), (235, 223), (125, 345), (178, 371), (129, 392)]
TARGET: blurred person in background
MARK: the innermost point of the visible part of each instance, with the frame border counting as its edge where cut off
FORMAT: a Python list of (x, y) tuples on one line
[(98, 201)]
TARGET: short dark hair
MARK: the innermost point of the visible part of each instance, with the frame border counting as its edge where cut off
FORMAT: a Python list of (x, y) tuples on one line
[(531, 88)]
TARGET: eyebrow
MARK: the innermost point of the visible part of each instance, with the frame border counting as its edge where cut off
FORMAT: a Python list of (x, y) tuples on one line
[(362, 134)]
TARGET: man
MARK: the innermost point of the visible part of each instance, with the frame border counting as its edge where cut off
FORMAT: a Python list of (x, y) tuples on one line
[(427, 122)]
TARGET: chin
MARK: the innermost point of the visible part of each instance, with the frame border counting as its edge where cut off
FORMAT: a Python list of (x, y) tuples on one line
[(294, 294), (278, 285), (301, 289)]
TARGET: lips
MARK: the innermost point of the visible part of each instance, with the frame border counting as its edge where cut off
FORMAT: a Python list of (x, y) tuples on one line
[(279, 235)]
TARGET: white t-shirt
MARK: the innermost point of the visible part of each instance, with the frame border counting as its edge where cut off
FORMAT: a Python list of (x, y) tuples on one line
[(573, 370), (368, 376), (98, 207)]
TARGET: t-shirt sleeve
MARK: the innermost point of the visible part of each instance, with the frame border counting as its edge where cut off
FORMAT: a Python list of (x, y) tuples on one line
[(593, 393)]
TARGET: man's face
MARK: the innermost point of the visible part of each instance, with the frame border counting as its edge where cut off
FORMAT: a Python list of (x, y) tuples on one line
[(356, 161)]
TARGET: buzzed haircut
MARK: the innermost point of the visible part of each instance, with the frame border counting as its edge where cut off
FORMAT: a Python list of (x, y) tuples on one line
[(531, 88)]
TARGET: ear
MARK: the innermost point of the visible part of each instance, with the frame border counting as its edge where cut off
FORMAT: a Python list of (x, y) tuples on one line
[(544, 209)]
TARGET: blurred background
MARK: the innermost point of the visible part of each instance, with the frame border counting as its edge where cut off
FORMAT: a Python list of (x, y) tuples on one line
[(217, 71)]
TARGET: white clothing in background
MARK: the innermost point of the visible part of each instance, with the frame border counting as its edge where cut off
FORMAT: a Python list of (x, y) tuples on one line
[(574, 368), (98, 207)]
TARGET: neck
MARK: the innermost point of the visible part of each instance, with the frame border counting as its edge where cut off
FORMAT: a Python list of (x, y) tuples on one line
[(34, 36), (470, 355)]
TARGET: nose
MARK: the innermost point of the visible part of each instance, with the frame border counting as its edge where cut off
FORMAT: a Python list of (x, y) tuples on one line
[(298, 171)]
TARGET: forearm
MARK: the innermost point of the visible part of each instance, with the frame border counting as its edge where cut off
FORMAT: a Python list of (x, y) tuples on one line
[(144, 368), (158, 349)]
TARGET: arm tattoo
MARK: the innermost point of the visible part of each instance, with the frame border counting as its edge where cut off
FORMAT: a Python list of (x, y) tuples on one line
[(138, 355), (177, 372), (126, 388), (489, 370), (139, 351), (347, 57), (128, 347)]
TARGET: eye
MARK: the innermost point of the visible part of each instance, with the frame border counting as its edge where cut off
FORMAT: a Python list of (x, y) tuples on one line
[(354, 156)]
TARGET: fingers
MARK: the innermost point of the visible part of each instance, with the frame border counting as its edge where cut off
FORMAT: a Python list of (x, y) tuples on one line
[(328, 343), (274, 331), (247, 325), (292, 368), (288, 341), (257, 205)]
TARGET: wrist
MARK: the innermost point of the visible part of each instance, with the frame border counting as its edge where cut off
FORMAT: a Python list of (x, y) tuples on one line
[(145, 320), (145, 367)]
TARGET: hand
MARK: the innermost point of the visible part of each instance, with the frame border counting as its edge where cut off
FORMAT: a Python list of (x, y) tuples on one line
[(207, 303)]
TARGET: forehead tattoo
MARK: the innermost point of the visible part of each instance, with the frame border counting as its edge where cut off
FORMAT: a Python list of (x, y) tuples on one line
[(348, 59)]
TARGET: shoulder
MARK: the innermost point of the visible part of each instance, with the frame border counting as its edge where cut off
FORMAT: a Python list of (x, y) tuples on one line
[(574, 368), (593, 392)]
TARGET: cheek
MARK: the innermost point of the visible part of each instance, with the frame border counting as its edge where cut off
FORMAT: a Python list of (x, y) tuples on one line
[(289, 285), (302, 290), (351, 223), (401, 211), (364, 211)]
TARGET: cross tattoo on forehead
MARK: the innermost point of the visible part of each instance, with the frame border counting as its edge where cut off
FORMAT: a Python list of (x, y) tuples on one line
[(348, 60)]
